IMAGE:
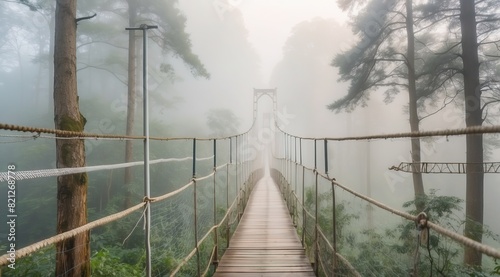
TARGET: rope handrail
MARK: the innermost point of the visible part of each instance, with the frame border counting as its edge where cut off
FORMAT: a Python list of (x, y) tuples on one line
[(63, 134), (204, 177), (207, 268), (483, 248), (445, 132), (81, 135), (25, 251), (177, 191), (183, 262), (230, 209), (170, 194), (348, 264), (32, 174)]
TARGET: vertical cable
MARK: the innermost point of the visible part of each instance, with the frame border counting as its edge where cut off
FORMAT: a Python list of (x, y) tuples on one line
[(195, 210), (227, 193), (326, 155), (316, 244), (216, 230)]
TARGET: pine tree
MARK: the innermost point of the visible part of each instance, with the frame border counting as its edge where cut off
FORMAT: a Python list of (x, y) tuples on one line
[(380, 60)]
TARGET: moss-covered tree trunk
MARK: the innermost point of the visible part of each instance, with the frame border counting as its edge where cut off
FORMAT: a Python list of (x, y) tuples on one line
[(474, 198), (73, 255), (132, 68)]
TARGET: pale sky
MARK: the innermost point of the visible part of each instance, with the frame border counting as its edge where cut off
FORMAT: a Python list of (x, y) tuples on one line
[(270, 22)]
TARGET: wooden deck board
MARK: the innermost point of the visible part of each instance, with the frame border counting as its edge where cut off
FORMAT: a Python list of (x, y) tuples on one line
[(265, 242)]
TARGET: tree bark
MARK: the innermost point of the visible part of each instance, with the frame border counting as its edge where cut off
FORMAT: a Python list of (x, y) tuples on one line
[(418, 184), (73, 255), (132, 68), (474, 143), (51, 53)]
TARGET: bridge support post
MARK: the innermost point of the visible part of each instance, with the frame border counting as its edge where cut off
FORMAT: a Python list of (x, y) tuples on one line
[(303, 196), (304, 221), (227, 206), (238, 184), (228, 230), (295, 183), (147, 195), (216, 230), (334, 229), (316, 243), (195, 204), (334, 215)]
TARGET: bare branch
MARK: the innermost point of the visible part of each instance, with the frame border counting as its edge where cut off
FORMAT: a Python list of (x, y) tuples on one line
[(490, 42), (101, 41), (85, 18), (445, 103), (488, 20), (389, 60), (490, 102), (104, 69)]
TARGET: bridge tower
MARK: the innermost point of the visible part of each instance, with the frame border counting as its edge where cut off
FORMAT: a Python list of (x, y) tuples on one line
[(258, 93)]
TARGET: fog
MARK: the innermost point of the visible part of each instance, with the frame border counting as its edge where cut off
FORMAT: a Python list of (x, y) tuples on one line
[(288, 45)]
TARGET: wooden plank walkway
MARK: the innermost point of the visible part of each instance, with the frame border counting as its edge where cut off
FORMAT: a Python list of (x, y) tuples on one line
[(265, 242)]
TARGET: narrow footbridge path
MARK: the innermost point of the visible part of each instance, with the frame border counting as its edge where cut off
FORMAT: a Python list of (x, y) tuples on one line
[(265, 242)]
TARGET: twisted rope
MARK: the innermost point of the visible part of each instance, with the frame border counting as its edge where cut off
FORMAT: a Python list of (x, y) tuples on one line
[(446, 132), (25, 251), (62, 134), (485, 249)]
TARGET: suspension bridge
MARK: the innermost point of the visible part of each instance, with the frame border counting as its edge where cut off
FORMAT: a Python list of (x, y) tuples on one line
[(258, 205)]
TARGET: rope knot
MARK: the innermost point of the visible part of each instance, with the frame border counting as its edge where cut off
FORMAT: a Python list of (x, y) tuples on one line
[(421, 221), (421, 224)]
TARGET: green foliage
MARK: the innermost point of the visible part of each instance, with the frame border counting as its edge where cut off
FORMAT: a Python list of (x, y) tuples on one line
[(496, 270), (39, 264), (437, 206), (104, 263), (375, 62), (174, 37), (440, 255), (376, 254)]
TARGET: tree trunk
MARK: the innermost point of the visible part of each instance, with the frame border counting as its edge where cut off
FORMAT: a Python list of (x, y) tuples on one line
[(51, 53), (418, 184), (73, 255), (130, 101), (474, 143)]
